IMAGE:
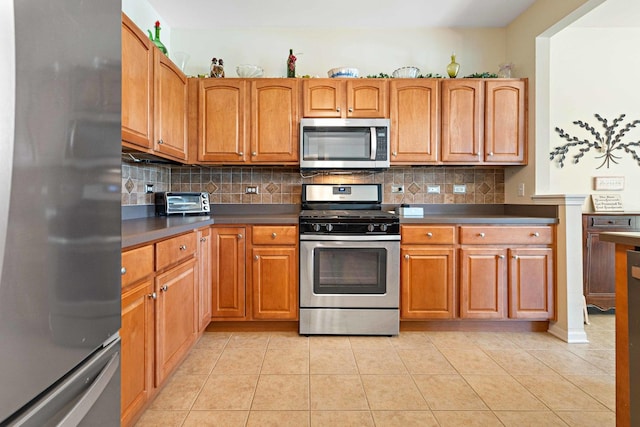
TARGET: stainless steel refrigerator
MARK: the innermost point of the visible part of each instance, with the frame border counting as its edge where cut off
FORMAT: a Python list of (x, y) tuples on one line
[(60, 84)]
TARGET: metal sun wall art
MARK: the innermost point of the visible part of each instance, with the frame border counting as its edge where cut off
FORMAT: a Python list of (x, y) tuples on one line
[(606, 144)]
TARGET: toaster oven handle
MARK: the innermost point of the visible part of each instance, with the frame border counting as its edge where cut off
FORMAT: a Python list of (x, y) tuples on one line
[(374, 143)]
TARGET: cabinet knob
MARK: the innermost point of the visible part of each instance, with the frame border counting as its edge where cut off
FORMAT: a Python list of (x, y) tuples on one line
[(273, 235), (536, 234), (491, 153), (338, 109), (254, 153), (240, 153), (153, 295), (203, 239), (501, 256), (476, 153), (256, 257), (406, 257), (480, 234), (351, 109), (160, 142), (429, 234), (183, 247), (395, 153), (239, 236), (164, 288), (123, 271), (515, 256)]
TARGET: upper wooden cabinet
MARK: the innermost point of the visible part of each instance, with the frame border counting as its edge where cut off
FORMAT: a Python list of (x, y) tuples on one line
[(345, 98), (484, 121), (246, 121), (170, 108), (414, 121), (137, 86), (154, 97)]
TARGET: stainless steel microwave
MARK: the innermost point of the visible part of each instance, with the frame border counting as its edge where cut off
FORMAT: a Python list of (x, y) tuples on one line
[(168, 203), (344, 143)]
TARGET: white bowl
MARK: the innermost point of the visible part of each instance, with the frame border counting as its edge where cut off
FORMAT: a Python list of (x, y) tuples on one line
[(343, 72), (406, 73), (248, 70)]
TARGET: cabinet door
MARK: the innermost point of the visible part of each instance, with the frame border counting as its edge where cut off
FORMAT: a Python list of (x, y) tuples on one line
[(274, 121), (427, 278), (274, 275), (531, 284), (228, 269), (176, 323), (414, 121), (222, 120), (137, 86), (483, 275), (136, 333), (170, 118), (204, 278), (599, 280), (367, 98), (462, 121), (505, 121), (322, 98)]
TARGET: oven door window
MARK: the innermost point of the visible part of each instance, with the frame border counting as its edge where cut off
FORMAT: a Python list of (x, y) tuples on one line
[(350, 271)]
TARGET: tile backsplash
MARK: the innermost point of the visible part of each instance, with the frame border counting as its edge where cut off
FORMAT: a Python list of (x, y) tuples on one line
[(283, 186)]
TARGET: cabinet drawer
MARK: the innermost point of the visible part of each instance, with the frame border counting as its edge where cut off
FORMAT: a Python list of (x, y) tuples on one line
[(136, 264), (174, 250), (606, 222), (274, 235), (498, 235), (428, 234)]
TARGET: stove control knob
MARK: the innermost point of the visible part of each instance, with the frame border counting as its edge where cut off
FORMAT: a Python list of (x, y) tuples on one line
[(371, 227), (316, 227), (383, 227), (329, 227)]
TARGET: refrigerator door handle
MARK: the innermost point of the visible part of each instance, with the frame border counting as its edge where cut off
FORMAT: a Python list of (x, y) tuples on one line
[(86, 402)]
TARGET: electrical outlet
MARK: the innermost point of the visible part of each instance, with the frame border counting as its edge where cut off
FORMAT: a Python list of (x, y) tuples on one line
[(521, 189), (397, 189), (459, 188), (251, 190), (433, 189)]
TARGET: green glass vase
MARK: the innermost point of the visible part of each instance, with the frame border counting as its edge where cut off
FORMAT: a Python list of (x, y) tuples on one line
[(453, 67), (156, 40)]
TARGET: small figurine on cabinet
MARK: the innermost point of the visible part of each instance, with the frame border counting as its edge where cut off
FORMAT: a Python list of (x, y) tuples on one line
[(217, 68)]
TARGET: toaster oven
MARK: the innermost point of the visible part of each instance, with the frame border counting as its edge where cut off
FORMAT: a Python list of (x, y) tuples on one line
[(169, 203)]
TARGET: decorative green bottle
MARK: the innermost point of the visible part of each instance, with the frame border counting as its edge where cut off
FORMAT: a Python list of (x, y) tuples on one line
[(156, 40), (291, 64), (453, 67)]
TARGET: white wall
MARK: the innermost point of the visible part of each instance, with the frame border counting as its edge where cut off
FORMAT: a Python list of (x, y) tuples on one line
[(593, 70)]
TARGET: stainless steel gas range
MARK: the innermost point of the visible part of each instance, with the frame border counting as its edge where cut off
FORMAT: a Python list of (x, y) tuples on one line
[(349, 261)]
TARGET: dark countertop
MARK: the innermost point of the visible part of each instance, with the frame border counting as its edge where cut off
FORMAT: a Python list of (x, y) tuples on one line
[(630, 238), (137, 231)]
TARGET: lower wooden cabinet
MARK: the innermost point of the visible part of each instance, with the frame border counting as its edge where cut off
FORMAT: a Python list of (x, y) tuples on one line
[(136, 334), (485, 272), (255, 272), (176, 323)]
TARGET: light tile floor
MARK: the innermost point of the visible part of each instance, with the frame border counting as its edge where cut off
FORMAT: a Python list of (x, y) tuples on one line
[(414, 379)]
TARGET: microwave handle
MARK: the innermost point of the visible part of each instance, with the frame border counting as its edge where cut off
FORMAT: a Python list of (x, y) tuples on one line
[(374, 143)]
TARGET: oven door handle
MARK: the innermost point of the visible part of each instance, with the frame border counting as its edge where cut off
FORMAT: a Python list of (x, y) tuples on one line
[(374, 145), (351, 238)]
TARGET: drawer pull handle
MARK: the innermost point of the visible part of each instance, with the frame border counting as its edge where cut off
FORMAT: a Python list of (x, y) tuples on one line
[(536, 234), (480, 234), (239, 236), (123, 271), (153, 295), (164, 288), (429, 234), (273, 235), (183, 247), (406, 257)]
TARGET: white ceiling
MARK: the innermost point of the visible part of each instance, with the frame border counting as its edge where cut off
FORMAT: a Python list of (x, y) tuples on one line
[(197, 14)]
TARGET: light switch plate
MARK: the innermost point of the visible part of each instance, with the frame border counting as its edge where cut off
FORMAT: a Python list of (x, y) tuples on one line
[(433, 189)]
